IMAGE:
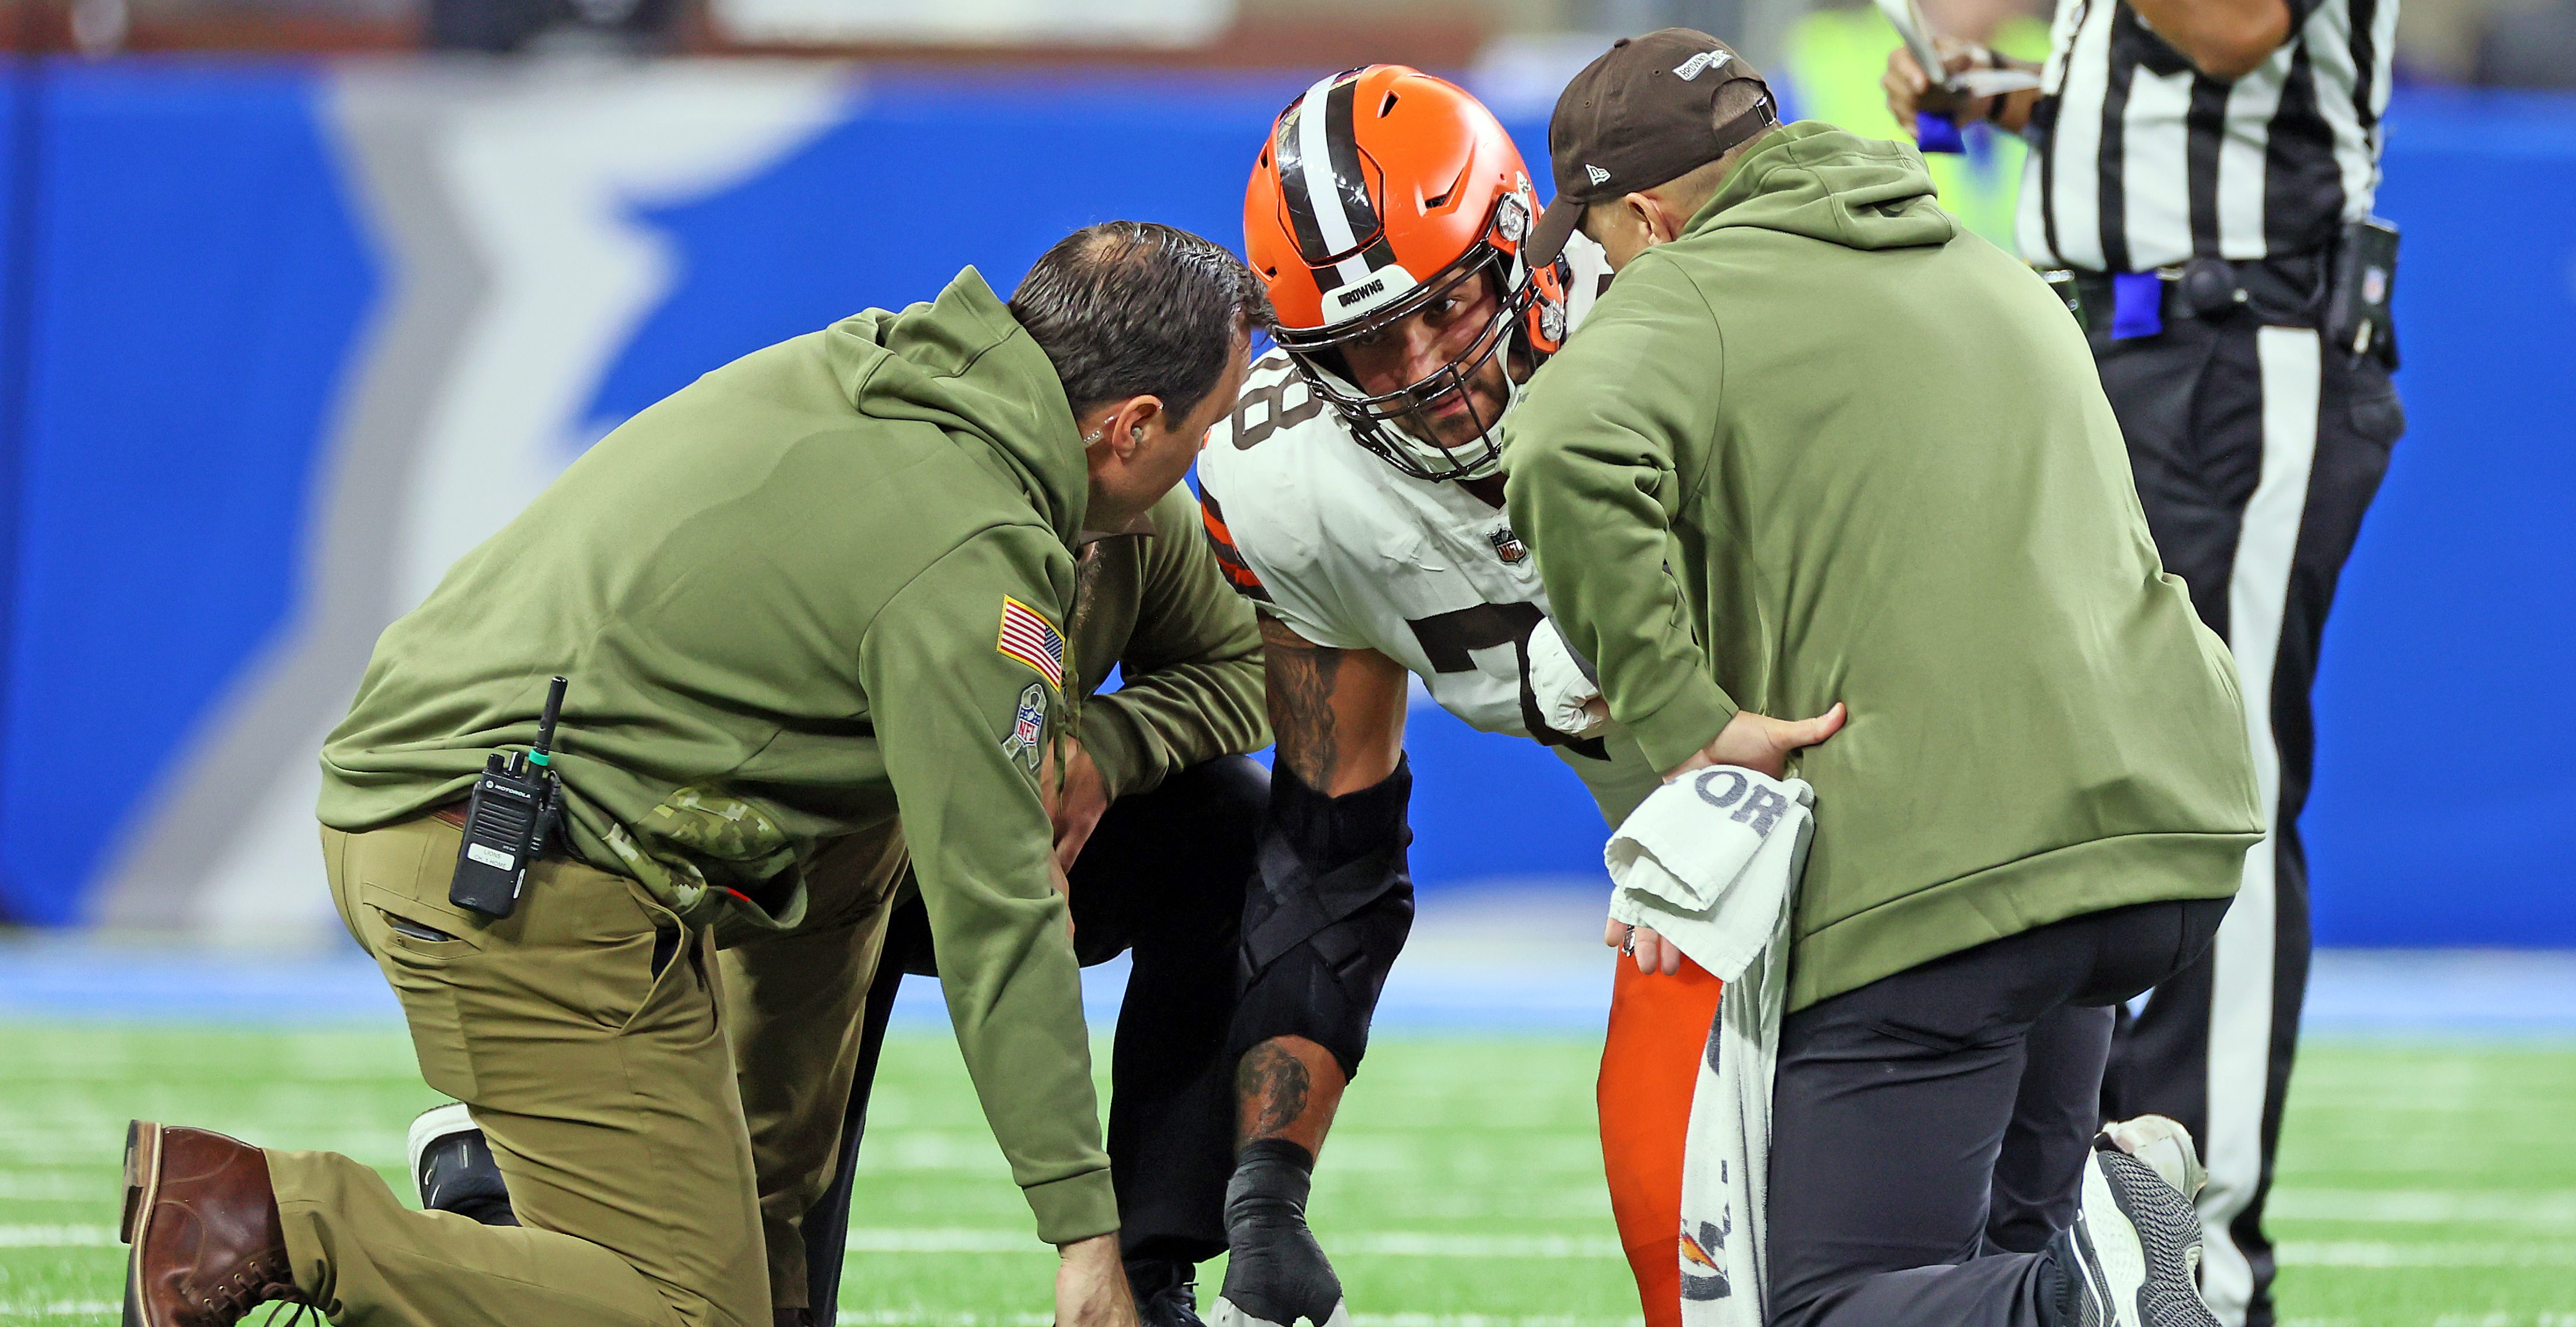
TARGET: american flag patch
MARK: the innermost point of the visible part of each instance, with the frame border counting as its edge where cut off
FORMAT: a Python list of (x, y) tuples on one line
[(1029, 638)]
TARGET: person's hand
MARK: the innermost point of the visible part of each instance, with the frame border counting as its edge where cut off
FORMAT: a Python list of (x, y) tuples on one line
[(1074, 804), (1091, 1285), (1761, 743), (1909, 90), (1652, 951), (1079, 802)]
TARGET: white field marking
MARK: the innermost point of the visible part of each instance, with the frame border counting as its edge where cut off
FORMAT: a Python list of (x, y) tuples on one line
[(917, 1318), (61, 1308), (2413, 1206), (52, 1185), (959, 1151), (1487, 1320), (57, 1237), (1407, 1244), (2384, 1253), (1384, 1243)]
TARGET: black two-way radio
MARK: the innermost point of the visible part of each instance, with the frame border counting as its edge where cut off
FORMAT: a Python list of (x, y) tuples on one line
[(516, 806)]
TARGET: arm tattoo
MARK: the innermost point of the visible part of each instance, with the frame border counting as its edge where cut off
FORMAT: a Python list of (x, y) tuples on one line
[(1301, 678), (1275, 1083)]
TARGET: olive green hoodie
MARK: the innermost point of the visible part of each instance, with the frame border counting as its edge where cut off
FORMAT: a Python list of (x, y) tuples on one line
[(1827, 446), (779, 595)]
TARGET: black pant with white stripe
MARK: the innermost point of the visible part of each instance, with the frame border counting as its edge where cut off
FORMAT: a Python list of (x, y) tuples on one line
[(2256, 450)]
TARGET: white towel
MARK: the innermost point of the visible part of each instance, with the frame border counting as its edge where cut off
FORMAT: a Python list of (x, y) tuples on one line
[(1562, 687), (1711, 861)]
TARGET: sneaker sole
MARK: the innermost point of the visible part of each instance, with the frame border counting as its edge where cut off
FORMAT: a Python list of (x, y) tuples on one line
[(2118, 1255), (142, 1191), (1224, 1314), (2167, 1270)]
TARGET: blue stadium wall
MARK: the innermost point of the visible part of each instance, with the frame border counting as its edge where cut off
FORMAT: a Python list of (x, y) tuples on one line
[(259, 325)]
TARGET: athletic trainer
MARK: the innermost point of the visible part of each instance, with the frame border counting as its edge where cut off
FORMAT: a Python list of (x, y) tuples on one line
[(1820, 444), (819, 591), (2206, 168), (1155, 829)]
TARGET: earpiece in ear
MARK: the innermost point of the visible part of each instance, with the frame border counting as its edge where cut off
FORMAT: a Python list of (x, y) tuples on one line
[(1136, 435)]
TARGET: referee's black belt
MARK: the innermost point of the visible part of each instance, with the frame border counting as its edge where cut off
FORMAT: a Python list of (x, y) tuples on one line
[(2277, 292)]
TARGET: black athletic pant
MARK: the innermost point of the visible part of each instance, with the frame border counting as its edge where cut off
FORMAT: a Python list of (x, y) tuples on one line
[(1929, 1129), (2256, 450), (1162, 879)]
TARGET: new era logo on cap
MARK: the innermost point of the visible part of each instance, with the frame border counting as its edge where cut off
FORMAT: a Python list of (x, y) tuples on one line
[(1596, 174), (1701, 63)]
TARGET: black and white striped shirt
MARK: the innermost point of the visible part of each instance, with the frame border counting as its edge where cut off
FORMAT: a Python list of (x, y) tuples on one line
[(2139, 161)]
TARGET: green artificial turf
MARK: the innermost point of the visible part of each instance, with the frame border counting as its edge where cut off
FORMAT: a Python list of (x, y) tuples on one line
[(2420, 1184)]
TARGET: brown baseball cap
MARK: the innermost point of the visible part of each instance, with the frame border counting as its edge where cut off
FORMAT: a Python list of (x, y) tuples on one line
[(1642, 113)]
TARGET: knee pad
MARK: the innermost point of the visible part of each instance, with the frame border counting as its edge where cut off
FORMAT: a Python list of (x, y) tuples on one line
[(1332, 911)]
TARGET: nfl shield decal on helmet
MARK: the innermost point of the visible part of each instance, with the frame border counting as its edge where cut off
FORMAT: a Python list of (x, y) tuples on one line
[(1028, 727), (1508, 546)]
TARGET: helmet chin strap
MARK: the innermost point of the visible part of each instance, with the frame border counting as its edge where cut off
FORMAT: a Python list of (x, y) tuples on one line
[(1493, 462), (1513, 276)]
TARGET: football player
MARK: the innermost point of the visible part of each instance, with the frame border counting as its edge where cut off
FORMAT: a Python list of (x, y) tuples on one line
[(1355, 496)]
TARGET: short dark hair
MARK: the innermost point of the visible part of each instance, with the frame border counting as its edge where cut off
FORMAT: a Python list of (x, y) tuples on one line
[(1135, 308)]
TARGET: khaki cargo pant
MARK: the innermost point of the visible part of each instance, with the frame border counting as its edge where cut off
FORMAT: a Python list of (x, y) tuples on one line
[(587, 1034), (797, 1006)]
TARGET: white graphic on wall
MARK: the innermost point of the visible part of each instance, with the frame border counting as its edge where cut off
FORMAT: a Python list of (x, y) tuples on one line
[(540, 175)]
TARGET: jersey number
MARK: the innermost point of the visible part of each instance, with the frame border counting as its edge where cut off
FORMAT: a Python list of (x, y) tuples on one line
[(1447, 639), (1263, 410)]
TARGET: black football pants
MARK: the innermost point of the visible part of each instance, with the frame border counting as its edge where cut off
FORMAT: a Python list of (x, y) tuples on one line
[(2256, 450), (1162, 880), (1929, 1129)]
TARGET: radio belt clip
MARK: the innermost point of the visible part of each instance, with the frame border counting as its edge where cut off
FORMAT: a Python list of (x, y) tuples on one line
[(516, 806)]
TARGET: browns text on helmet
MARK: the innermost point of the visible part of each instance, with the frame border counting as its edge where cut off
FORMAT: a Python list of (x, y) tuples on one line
[(1380, 191)]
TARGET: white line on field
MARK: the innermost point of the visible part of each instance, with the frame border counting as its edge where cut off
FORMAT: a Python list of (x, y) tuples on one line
[(2381, 1253), (1426, 1244), (1384, 1243), (925, 1318), (56, 1237), (62, 1308), (2555, 1207)]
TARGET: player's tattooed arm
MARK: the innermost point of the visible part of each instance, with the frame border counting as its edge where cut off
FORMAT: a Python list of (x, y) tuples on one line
[(1338, 715)]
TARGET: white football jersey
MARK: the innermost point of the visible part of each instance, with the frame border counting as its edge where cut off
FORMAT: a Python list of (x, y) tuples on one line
[(1351, 553)]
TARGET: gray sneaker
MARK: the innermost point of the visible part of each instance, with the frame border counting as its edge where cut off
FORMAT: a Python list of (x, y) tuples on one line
[(2162, 1142), (2132, 1258), (453, 1166)]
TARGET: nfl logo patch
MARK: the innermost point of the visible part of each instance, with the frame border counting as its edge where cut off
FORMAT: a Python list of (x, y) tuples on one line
[(1028, 727), (1508, 547)]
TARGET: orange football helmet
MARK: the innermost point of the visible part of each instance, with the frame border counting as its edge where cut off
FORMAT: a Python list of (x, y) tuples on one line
[(1380, 190)]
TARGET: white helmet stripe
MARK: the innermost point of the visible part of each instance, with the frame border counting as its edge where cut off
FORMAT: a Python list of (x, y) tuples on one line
[(1315, 161)]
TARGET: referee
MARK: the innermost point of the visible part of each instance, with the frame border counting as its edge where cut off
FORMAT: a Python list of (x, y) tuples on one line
[(2205, 171)]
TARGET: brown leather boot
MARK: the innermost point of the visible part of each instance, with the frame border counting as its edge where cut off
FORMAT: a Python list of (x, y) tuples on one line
[(208, 1243)]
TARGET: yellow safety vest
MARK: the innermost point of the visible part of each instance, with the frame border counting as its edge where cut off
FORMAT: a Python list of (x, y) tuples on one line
[(1834, 61)]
